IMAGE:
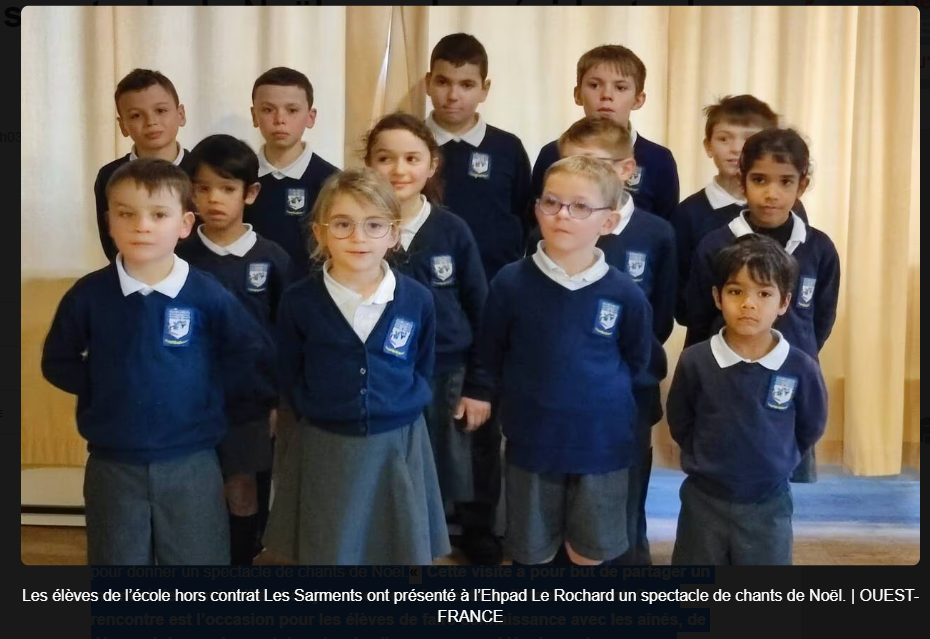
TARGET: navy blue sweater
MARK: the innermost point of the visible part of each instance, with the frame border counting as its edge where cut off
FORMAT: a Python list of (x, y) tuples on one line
[(564, 362), (654, 187), (258, 280), (100, 196), (488, 186), (341, 384), (693, 219), (281, 211), (150, 371), (742, 429), (812, 312), (443, 256)]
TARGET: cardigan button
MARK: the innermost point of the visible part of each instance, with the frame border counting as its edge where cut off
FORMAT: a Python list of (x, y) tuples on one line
[(362, 371), (363, 391)]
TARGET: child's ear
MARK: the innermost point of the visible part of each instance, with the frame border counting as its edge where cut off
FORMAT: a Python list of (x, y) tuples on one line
[(311, 117), (785, 303), (254, 119), (611, 220), (252, 192), (707, 150), (716, 293), (625, 169), (122, 127), (426, 78), (318, 234), (182, 115), (802, 186), (577, 94), (640, 101), (188, 220)]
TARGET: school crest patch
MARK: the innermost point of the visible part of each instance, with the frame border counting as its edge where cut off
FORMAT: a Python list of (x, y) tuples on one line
[(443, 270), (397, 340), (179, 322), (635, 264), (781, 392), (257, 277), (636, 180), (479, 165), (806, 296), (296, 201), (607, 315)]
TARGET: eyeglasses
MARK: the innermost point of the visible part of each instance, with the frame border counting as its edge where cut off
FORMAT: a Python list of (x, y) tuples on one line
[(548, 205), (343, 228)]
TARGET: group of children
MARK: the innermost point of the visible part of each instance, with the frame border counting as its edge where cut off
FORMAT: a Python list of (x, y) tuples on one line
[(372, 333)]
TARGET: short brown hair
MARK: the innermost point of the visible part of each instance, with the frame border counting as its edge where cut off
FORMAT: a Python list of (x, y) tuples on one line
[(603, 132), (400, 121), (459, 49), (627, 62), (741, 110), (284, 77), (154, 175), (139, 79)]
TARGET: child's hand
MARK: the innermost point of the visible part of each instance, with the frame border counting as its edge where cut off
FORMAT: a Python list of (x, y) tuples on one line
[(475, 412), (273, 422)]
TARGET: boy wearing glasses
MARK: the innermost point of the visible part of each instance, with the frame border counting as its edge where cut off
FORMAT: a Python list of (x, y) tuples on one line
[(564, 335)]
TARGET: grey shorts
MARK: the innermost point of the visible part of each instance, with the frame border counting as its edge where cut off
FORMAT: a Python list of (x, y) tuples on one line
[(545, 510), (246, 449)]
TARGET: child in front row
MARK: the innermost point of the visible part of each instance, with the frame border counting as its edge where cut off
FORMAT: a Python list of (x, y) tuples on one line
[(151, 348), (564, 336), (440, 252), (255, 270), (774, 167), (744, 406), (356, 339)]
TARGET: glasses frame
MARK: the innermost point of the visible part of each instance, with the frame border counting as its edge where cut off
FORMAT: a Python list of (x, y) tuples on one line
[(390, 224), (568, 207)]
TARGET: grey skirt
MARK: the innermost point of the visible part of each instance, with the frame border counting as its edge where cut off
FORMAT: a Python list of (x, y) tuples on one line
[(341, 499)]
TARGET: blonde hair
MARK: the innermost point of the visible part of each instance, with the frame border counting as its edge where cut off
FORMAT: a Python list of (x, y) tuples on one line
[(596, 171), (366, 186), (601, 132)]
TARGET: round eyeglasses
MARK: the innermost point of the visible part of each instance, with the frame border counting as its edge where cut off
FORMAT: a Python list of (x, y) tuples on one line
[(343, 228), (548, 205)]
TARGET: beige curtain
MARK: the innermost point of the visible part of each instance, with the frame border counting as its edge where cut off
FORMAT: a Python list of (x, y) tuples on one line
[(845, 76)]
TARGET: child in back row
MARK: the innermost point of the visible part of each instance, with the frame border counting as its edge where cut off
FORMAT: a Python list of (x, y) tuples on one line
[(290, 174), (356, 341), (148, 112), (151, 348), (611, 82), (563, 338), (256, 271), (744, 406), (440, 252)]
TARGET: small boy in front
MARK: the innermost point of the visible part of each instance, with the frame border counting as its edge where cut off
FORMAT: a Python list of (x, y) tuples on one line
[(744, 406), (149, 112), (255, 270), (611, 82), (563, 337), (290, 173), (151, 347)]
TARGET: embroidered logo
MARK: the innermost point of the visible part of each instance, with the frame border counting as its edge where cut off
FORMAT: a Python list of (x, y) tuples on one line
[(781, 392), (808, 284), (635, 180), (480, 165), (607, 315), (178, 324), (296, 201), (443, 270), (397, 341), (635, 264), (257, 278)]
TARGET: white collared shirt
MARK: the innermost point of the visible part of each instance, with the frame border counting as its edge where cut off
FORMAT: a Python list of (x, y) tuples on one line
[(726, 356), (169, 286), (633, 134), (238, 248), (558, 274), (626, 213), (176, 161), (409, 230), (361, 314), (740, 227), (294, 170), (474, 136), (719, 197)]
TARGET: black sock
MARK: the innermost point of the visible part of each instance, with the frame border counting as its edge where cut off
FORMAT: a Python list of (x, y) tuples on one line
[(263, 484), (242, 534)]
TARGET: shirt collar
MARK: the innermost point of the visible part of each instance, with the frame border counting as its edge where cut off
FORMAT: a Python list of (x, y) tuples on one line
[(170, 286), (727, 357), (238, 248), (626, 213), (740, 227), (474, 136), (410, 230), (718, 196), (592, 274), (344, 295), (176, 161), (295, 170), (633, 134)]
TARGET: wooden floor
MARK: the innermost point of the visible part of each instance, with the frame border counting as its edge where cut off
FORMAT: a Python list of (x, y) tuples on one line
[(839, 520)]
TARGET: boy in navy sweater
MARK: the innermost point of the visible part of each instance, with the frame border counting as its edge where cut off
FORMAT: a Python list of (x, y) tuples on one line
[(151, 348), (149, 112), (564, 335), (290, 174), (744, 406), (256, 271), (730, 122), (611, 82)]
